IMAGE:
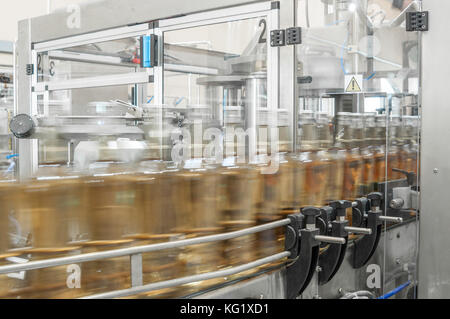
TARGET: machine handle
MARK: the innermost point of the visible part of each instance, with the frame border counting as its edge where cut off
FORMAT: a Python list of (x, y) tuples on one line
[(330, 240), (397, 220), (358, 230)]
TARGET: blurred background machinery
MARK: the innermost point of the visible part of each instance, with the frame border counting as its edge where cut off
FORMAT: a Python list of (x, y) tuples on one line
[(203, 139)]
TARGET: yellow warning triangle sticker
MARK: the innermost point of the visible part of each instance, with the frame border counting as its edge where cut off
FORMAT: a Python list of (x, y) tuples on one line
[(353, 86)]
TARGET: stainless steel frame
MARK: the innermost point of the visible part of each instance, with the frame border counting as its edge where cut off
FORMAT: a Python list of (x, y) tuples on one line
[(434, 254)]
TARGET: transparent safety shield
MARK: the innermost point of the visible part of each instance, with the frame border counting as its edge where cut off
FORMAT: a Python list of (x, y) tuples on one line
[(216, 80), (358, 111), (91, 93)]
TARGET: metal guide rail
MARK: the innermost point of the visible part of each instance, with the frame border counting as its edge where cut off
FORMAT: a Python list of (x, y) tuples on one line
[(303, 239), (135, 254)]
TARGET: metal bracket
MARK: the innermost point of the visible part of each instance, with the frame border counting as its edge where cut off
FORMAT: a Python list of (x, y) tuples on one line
[(290, 36), (304, 248), (331, 259), (277, 38), (417, 21), (359, 212), (293, 36), (30, 69), (365, 246)]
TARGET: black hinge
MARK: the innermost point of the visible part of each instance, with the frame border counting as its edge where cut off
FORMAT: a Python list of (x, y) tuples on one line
[(290, 36), (417, 21), (277, 38), (30, 69), (293, 36)]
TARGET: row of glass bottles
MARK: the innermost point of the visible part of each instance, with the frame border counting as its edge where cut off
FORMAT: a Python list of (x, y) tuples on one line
[(157, 202), (350, 156)]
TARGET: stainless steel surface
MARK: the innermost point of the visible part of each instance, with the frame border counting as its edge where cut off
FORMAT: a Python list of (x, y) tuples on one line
[(390, 266), (267, 286), (330, 240), (140, 249), (27, 163), (136, 270), (358, 230), (186, 280), (399, 251), (434, 256)]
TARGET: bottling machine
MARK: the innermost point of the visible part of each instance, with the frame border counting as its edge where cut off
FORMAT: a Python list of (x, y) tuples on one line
[(216, 149)]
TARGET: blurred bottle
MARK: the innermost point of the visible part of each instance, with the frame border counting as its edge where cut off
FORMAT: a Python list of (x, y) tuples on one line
[(154, 224), (55, 206), (350, 130), (238, 192), (314, 159), (271, 177), (394, 148), (111, 210), (195, 193), (368, 152), (10, 286)]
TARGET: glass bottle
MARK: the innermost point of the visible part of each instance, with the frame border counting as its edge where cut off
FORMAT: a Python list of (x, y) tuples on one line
[(10, 195), (238, 193), (195, 193), (56, 207), (112, 207), (354, 163)]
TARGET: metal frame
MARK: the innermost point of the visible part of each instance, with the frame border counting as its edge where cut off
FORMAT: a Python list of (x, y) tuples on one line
[(434, 258), (228, 15), (28, 161)]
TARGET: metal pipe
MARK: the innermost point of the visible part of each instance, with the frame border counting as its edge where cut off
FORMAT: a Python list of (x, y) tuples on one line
[(330, 240), (140, 249), (358, 230), (391, 219), (189, 279)]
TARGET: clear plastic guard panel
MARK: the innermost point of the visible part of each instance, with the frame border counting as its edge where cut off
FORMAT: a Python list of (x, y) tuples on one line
[(97, 115), (105, 58), (363, 75), (218, 81)]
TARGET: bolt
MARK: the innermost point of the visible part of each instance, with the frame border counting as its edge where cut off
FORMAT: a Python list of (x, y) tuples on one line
[(436, 170), (397, 261), (318, 269)]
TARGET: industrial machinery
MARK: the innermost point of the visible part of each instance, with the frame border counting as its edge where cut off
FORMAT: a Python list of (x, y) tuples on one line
[(7, 162), (216, 149)]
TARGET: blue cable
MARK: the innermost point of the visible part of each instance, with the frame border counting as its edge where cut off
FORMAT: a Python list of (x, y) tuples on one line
[(370, 76), (11, 156), (395, 291), (179, 101)]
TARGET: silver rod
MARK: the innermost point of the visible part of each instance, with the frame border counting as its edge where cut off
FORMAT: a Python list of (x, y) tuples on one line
[(391, 219), (358, 230), (189, 279), (136, 270), (140, 249), (330, 240)]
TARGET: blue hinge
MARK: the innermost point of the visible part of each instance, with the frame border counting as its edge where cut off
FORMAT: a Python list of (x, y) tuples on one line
[(148, 51)]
